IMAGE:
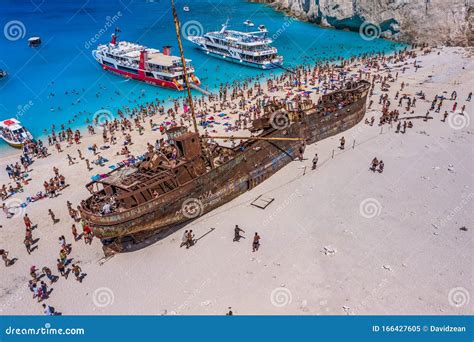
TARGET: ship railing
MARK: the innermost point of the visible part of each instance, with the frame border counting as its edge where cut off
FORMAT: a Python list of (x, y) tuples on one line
[(260, 52), (120, 215)]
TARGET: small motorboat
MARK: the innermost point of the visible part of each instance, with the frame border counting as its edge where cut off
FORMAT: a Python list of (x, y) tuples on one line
[(3, 73), (34, 42), (262, 28), (186, 8), (248, 23), (13, 133)]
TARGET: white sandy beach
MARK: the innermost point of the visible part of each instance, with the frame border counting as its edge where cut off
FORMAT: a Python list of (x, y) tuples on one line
[(338, 240)]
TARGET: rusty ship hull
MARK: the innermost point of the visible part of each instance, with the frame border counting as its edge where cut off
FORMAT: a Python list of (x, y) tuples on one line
[(253, 164)]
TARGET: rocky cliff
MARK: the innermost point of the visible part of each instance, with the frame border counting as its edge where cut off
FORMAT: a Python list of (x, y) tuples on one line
[(448, 22)]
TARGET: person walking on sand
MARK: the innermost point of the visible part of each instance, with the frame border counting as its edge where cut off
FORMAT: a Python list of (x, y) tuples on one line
[(256, 242), (445, 116), (343, 142), (64, 245), (237, 235), (301, 152), (35, 289), (29, 235), (53, 217), (70, 160), (44, 290), (190, 239), (77, 272), (381, 166), (74, 232), (87, 234), (62, 242), (27, 243), (48, 310), (27, 221), (61, 268), (375, 163), (184, 239), (63, 256), (33, 272), (5, 259), (315, 161), (47, 272)]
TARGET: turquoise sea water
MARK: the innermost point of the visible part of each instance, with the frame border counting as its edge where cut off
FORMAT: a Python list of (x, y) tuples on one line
[(60, 80)]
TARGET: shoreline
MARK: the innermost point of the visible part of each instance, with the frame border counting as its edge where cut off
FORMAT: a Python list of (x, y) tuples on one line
[(261, 77)]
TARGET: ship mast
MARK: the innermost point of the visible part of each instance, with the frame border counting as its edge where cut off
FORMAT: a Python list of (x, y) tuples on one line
[(183, 61)]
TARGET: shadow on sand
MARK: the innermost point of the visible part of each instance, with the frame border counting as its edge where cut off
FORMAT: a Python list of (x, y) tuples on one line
[(129, 244)]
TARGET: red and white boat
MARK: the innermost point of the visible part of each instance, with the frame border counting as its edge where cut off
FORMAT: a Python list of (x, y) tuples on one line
[(13, 133), (145, 64)]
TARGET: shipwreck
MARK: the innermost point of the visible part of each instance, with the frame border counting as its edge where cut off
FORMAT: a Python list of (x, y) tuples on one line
[(193, 175)]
